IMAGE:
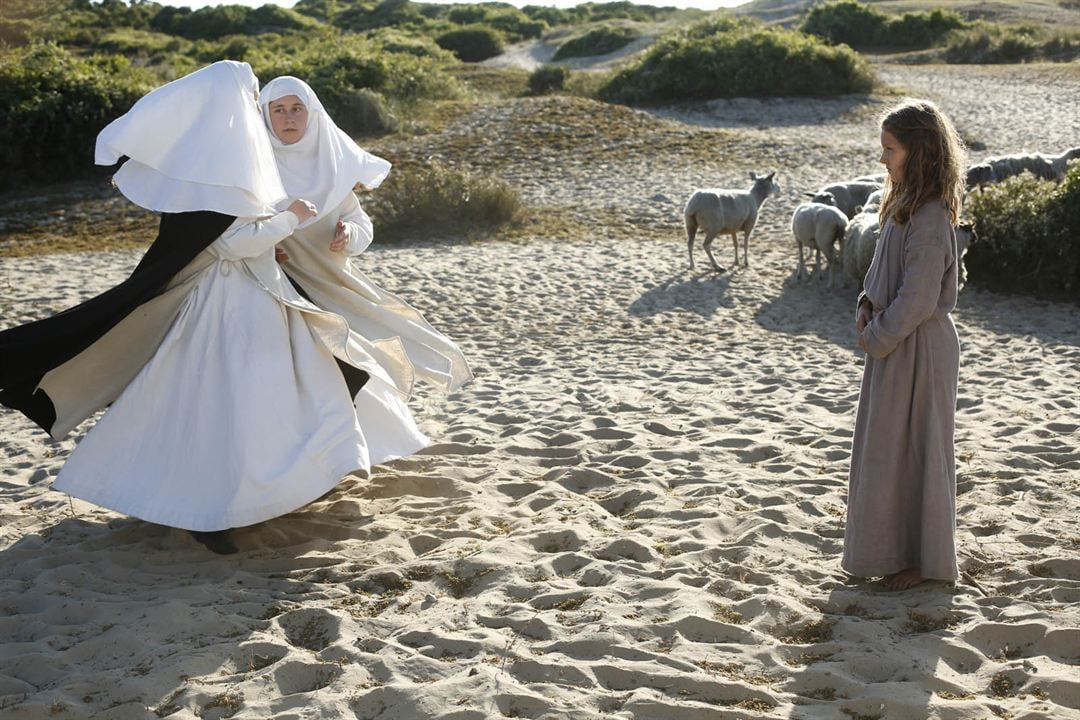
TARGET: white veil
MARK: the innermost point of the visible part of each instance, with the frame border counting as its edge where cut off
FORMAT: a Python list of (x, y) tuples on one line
[(196, 143)]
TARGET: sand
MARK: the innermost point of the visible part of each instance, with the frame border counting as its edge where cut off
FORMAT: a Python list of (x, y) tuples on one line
[(634, 511)]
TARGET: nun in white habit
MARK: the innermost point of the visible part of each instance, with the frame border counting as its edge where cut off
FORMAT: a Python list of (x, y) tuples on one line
[(228, 405), (319, 162)]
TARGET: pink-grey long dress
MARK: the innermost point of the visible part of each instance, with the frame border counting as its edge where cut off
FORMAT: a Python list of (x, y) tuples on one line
[(902, 487)]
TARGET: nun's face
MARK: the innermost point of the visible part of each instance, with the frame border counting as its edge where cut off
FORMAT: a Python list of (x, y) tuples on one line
[(288, 118)]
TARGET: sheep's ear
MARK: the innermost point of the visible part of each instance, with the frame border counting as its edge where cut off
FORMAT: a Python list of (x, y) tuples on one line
[(771, 175), (810, 194), (753, 175)]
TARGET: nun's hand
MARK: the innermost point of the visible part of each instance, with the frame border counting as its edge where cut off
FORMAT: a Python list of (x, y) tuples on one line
[(280, 255), (341, 237), (303, 210)]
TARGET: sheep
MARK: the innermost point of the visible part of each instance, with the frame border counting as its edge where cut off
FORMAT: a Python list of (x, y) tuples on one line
[(996, 169), (857, 247), (860, 241), (873, 203), (726, 211), (819, 227), (965, 238), (847, 196)]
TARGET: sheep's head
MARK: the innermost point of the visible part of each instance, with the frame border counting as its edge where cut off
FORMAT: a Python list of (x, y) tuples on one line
[(824, 197), (980, 174), (965, 236), (764, 184)]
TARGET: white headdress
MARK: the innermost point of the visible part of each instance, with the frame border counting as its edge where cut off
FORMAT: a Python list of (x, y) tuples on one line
[(324, 165), (197, 143)]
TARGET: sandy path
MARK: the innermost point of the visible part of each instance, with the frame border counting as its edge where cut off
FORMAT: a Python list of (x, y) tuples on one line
[(635, 511)]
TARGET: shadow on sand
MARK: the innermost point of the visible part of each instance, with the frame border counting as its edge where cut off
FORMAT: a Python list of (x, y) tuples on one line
[(701, 292)]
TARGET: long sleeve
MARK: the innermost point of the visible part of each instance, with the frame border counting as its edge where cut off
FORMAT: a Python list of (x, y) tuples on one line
[(250, 238), (926, 260), (358, 227)]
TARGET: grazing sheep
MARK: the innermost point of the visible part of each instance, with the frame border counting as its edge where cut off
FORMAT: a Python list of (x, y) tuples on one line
[(857, 248), (818, 227), (847, 196), (860, 241), (996, 169), (965, 238), (726, 211)]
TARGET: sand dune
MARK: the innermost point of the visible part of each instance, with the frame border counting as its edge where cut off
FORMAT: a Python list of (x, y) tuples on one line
[(635, 511)]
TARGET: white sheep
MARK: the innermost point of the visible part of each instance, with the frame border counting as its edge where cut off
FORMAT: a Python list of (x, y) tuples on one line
[(996, 169), (861, 238), (719, 211), (818, 227), (857, 247), (848, 196)]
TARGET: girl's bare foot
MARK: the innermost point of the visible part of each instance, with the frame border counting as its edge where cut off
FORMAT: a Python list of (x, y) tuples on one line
[(904, 580)]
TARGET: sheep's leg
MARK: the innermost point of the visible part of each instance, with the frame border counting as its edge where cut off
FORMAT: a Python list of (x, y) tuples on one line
[(691, 233), (709, 237), (745, 242), (802, 266), (735, 240)]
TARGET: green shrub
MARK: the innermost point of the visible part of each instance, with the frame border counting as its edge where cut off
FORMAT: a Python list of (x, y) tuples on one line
[(866, 28), (1029, 236), (360, 112), (729, 57), (548, 78), (472, 44), (16, 32), (985, 43), (600, 41), (420, 201), (52, 106)]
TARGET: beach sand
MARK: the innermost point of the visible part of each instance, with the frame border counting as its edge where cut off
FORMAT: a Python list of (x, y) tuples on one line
[(635, 510)]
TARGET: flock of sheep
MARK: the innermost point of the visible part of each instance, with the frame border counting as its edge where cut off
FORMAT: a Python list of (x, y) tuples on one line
[(841, 220)]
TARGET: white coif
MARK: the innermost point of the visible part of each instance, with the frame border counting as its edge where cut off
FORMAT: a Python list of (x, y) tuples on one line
[(325, 165)]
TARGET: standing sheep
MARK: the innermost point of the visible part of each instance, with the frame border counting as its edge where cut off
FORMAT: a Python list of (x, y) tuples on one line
[(857, 248), (729, 212), (819, 227), (847, 196), (1045, 167)]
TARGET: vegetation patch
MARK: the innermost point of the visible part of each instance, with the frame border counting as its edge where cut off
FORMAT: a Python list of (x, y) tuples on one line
[(434, 200), (1029, 236), (863, 27), (548, 79), (601, 41), (733, 57), (991, 43), (472, 44)]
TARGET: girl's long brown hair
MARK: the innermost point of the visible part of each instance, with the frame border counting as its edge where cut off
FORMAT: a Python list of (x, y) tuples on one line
[(936, 162)]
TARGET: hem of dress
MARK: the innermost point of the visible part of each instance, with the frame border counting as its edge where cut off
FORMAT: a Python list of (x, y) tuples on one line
[(863, 571), (266, 512)]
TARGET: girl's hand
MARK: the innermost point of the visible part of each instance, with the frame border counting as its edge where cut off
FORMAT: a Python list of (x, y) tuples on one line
[(863, 317), (303, 210), (862, 344), (341, 237), (280, 255)]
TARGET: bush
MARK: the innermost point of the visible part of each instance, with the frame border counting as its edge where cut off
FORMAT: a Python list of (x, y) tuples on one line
[(989, 43), (549, 78), (600, 41), (1029, 236), (52, 106), (865, 28), (360, 112), (419, 201), (472, 44), (731, 57)]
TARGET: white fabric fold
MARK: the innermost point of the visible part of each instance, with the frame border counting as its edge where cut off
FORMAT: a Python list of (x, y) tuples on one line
[(196, 143)]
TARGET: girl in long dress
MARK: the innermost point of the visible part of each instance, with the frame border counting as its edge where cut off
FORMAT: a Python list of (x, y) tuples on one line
[(901, 511), (228, 406), (318, 161)]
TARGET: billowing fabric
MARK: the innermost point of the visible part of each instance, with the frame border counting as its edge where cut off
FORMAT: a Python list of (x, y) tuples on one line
[(60, 370), (325, 165), (401, 340), (902, 493), (241, 414), (196, 143)]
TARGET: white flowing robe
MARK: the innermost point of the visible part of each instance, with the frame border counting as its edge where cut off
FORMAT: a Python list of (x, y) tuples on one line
[(241, 413)]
